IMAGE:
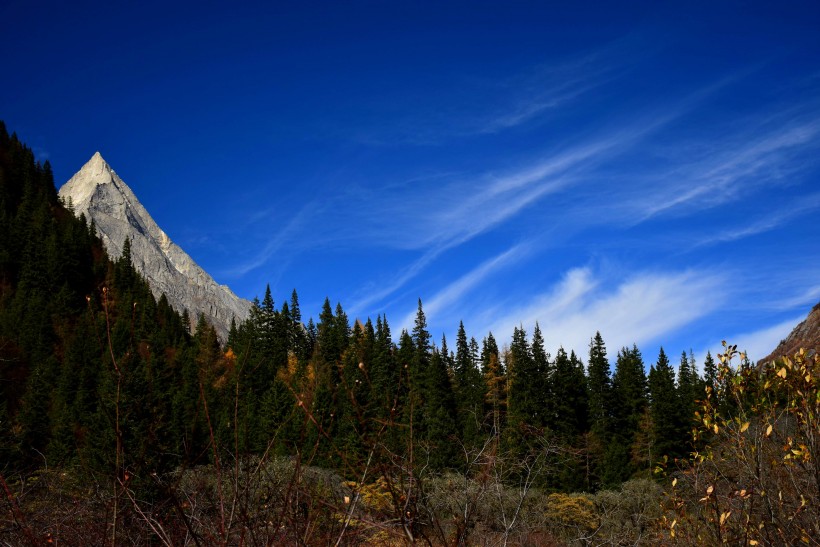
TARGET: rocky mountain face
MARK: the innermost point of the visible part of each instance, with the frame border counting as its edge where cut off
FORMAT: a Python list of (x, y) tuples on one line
[(101, 195), (806, 335)]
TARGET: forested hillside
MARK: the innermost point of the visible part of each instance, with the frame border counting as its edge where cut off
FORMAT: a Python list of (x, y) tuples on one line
[(124, 396), (83, 342)]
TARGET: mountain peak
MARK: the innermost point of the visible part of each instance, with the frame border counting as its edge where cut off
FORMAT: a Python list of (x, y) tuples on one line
[(97, 163), (97, 192), (97, 158), (83, 184)]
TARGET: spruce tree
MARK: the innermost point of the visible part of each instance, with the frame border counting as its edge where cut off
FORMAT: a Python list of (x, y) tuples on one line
[(354, 426), (525, 410), (628, 403), (664, 409), (689, 389), (495, 387), (408, 403), (570, 396), (600, 388), (543, 386), (469, 389), (710, 371), (418, 373), (440, 413)]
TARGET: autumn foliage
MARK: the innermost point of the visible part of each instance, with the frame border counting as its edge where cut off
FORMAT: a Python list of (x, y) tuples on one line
[(755, 480)]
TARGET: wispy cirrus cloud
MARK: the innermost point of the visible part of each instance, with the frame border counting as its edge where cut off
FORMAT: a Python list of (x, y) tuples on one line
[(494, 200), (446, 219), (770, 221), (281, 239), (547, 89), (806, 297), (751, 156), (451, 295), (501, 103), (373, 293)]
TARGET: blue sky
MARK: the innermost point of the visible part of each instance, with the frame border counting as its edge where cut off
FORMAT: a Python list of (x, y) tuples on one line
[(650, 171)]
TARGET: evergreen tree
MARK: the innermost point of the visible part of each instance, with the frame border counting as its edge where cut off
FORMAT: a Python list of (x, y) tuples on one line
[(599, 388), (689, 391), (664, 409), (469, 389), (440, 413), (408, 403), (299, 339), (385, 375), (418, 373), (570, 396), (353, 430), (629, 403), (710, 371), (523, 397), (543, 387), (326, 339), (495, 382)]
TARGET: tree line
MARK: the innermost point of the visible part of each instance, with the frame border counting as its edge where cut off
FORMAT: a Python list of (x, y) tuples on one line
[(98, 374)]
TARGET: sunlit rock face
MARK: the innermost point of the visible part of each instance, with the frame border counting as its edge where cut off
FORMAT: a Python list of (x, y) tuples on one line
[(103, 197), (806, 335)]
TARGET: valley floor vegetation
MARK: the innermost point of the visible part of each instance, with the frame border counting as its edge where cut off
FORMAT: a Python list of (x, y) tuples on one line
[(124, 422)]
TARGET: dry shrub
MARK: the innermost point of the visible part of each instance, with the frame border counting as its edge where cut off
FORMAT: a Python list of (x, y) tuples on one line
[(756, 481)]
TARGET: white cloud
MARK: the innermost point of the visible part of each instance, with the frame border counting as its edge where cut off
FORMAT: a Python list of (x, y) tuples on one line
[(640, 309), (757, 344)]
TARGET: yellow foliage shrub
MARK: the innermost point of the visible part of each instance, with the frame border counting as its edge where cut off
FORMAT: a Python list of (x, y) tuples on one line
[(571, 513)]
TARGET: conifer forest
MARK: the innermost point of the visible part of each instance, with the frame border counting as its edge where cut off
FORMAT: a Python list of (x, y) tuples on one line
[(124, 422)]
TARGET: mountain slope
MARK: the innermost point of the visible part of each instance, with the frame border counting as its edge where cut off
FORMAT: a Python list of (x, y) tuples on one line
[(103, 197), (805, 335)]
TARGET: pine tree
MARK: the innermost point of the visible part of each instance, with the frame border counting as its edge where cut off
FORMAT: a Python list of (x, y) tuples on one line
[(628, 406), (543, 387), (600, 388), (385, 376), (571, 419), (418, 373), (523, 408), (440, 413), (664, 409), (689, 389), (407, 402), (463, 362), (570, 396), (710, 371), (354, 427), (329, 344), (469, 389), (495, 381), (299, 340)]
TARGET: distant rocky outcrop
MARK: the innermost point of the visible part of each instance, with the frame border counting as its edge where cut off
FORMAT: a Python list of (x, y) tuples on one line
[(806, 335), (101, 195)]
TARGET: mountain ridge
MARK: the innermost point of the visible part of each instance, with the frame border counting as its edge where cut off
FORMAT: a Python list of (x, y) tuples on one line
[(98, 192), (805, 335)]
